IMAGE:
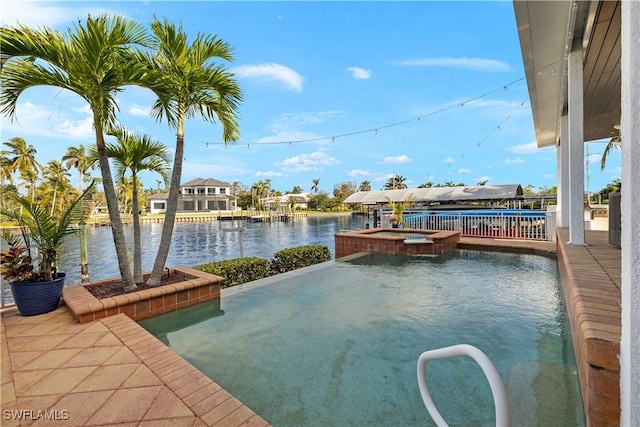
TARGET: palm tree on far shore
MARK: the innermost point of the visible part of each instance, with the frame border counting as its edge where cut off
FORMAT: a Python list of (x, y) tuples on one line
[(77, 157), (22, 159), (57, 177), (365, 186), (315, 187), (395, 182), (198, 87), (95, 60), (137, 153)]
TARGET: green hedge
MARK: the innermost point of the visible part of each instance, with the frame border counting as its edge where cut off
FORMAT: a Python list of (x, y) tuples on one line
[(302, 256), (238, 271), (242, 270)]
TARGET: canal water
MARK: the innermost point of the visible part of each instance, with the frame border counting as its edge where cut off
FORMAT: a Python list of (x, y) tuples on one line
[(195, 243)]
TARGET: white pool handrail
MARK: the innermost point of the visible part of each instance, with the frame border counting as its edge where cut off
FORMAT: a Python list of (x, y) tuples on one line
[(500, 400)]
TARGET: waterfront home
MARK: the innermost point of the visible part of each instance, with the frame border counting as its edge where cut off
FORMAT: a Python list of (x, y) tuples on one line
[(198, 195), (286, 201)]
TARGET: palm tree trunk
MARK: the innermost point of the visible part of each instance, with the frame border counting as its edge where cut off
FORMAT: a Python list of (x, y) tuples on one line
[(172, 207), (114, 213), (53, 202), (137, 245)]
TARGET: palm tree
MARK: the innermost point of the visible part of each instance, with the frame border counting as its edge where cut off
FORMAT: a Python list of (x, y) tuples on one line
[(22, 158), (365, 186), (95, 60), (31, 178), (77, 157), (137, 153), (315, 187), (124, 193), (427, 184), (56, 176), (198, 87), (6, 169), (613, 143), (291, 201), (395, 182)]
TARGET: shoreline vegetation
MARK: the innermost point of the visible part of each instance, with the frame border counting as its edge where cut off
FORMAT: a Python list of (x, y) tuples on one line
[(99, 219)]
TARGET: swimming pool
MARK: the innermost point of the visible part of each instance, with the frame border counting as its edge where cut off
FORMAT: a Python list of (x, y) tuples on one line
[(338, 344)]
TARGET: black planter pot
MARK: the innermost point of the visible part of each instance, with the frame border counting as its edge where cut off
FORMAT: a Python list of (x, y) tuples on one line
[(38, 297)]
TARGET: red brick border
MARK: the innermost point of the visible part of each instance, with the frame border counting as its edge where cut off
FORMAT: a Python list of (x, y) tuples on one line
[(435, 242), (197, 287)]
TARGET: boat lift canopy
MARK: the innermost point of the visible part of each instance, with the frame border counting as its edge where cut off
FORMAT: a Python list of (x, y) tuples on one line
[(438, 194)]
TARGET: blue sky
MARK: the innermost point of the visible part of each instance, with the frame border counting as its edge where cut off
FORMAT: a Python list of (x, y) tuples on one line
[(335, 91)]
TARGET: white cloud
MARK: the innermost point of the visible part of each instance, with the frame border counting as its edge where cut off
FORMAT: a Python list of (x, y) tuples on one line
[(359, 73), (358, 173), (77, 128), (139, 110), (549, 175), (84, 109), (478, 64), (484, 179), (463, 170), (529, 148), (515, 161), (38, 13), (448, 160), (395, 160), (307, 162), (272, 72), (269, 174)]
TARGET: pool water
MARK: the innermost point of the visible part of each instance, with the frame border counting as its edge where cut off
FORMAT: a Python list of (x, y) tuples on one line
[(337, 344)]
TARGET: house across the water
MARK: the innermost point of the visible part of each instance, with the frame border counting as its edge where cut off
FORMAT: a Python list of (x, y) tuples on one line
[(198, 195)]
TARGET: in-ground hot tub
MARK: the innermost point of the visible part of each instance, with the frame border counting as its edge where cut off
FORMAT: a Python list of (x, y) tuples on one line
[(396, 241)]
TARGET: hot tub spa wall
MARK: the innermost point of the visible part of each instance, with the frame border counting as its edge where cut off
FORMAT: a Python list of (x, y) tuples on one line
[(373, 241)]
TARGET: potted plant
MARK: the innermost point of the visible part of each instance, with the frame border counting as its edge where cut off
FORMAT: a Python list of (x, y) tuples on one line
[(397, 209), (37, 290)]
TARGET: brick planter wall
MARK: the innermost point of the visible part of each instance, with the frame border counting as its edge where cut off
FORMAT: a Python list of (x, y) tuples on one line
[(197, 287)]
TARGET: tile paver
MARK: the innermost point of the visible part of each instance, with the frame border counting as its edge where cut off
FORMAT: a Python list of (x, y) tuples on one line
[(107, 372), (112, 372)]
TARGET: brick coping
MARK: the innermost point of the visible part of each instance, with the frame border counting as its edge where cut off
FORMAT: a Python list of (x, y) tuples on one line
[(197, 287), (593, 302)]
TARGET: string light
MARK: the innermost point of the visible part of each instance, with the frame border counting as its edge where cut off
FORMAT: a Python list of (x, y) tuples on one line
[(499, 127), (375, 130)]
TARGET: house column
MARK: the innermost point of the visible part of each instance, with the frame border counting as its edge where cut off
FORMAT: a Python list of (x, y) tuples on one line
[(630, 207), (576, 149), (562, 215)]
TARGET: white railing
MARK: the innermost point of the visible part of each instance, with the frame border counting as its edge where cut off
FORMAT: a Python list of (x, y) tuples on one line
[(500, 400), (506, 225)]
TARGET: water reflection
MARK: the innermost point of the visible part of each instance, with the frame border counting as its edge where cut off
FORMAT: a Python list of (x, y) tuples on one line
[(197, 243)]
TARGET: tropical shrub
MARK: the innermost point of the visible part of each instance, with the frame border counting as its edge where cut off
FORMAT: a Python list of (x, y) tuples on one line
[(238, 271), (241, 270), (302, 256)]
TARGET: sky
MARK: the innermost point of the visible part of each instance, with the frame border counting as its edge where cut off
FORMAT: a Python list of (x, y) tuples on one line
[(333, 91)]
